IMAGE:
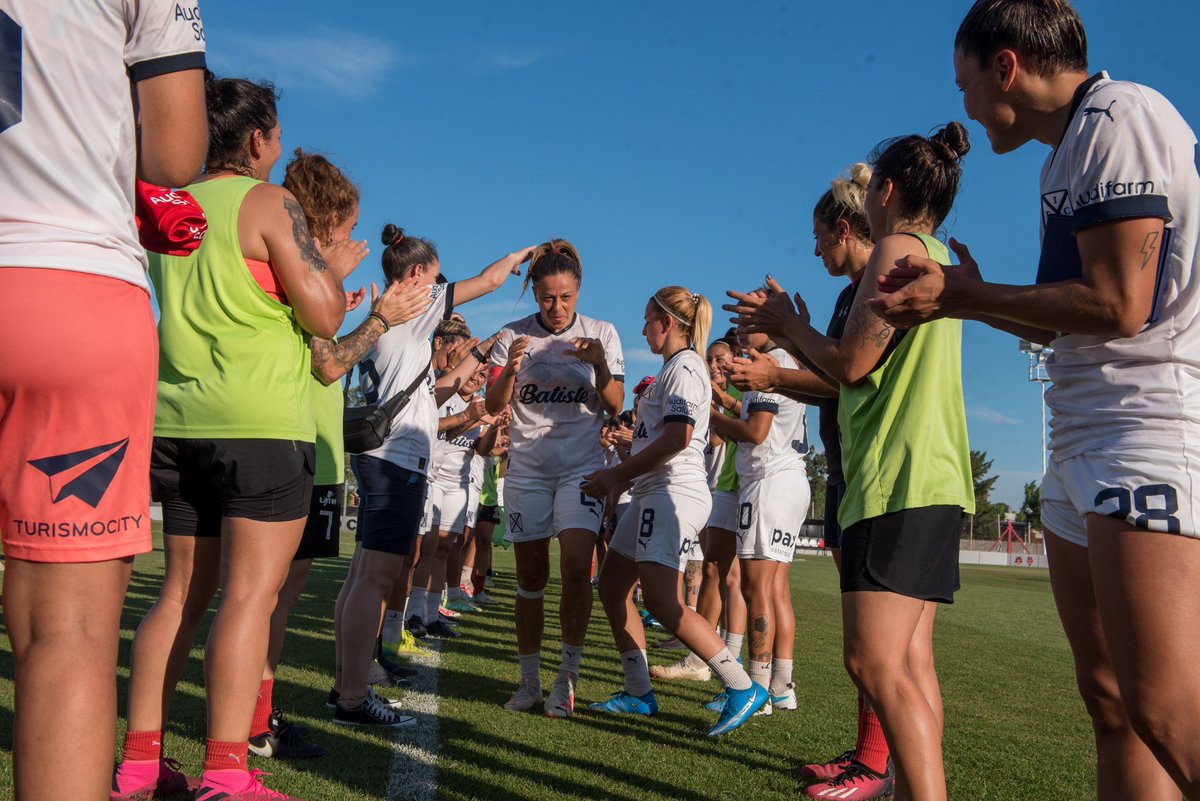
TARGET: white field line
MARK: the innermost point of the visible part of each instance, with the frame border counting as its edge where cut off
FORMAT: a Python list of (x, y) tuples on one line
[(413, 774)]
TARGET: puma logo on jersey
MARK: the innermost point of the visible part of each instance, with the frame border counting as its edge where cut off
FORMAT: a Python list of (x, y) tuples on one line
[(1107, 112)]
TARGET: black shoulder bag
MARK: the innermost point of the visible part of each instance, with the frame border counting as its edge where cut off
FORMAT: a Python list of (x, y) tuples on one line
[(365, 428)]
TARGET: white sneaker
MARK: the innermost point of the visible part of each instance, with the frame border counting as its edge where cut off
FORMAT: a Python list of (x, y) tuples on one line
[(787, 700), (527, 696), (681, 670), (561, 701), (483, 598)]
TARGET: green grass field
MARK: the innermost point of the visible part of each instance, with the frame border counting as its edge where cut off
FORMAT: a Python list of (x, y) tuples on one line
[(1015, 728)]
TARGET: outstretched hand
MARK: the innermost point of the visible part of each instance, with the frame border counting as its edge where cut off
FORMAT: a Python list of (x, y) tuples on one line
[(588, 350), (919, 289)]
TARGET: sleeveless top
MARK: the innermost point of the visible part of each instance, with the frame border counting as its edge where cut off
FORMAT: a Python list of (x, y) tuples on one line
[(903, 429), (233, 362)]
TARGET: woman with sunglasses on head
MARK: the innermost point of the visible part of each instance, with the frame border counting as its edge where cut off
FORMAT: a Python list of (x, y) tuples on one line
[(561, 372)]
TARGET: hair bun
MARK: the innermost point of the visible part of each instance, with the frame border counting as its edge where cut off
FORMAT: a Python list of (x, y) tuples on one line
[(951, 141), (860, 174), (392, 234)]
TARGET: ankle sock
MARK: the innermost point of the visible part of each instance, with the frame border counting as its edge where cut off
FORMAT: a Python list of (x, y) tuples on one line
[(142, 745), (871, 748), (734, 643), (261, 722), (416, 604), (760, 672), (223, 757), (432, 601), (781, 676), (637, 672), (530, 666), (572, 655), (393, 626), (726, 666)]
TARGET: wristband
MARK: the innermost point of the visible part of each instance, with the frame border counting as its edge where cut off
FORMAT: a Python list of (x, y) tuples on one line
[(479, 355), (382, 321)]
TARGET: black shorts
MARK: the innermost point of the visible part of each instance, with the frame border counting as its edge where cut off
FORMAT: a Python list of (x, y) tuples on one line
[(200, 481), (391, 502), (833, 500), (912, 552), (322, 534), (488, 514)]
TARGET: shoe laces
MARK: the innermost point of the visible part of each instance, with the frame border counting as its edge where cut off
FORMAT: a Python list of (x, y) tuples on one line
[(258, 790), (376, 707), (854, 772)]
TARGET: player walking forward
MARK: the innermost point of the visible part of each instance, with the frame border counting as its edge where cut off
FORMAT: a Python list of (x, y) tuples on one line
[(1117, 297), (669, 508), (561, 372)]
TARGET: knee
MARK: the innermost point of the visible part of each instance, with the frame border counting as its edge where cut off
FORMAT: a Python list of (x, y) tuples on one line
[(576, 573), (868, 670), (533, 578), (1162, 718), (1103, 701)]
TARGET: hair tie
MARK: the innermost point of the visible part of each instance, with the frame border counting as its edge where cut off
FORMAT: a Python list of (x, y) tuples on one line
[(695, 298), (396, 241)]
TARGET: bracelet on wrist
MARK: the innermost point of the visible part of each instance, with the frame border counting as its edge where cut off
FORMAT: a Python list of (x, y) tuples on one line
[(478, 355), (382, 321)]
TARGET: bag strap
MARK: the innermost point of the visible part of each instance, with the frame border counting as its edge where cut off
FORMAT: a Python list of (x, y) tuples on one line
[(394, 404)]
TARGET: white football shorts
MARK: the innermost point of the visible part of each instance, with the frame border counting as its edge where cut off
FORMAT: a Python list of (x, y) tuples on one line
[(663, 526), (771, 511)]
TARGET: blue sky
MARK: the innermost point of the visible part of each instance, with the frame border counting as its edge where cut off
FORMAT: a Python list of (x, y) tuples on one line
[(672, 142)]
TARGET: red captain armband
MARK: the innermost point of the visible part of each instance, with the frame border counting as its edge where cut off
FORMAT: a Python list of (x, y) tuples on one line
[(169, 222), (493, 374)]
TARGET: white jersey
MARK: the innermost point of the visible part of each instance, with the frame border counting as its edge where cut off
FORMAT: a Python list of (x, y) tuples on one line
[(679, 394), (456, 463), (556, 408), (1126, 153), (787, 441), (67, 139), (391, 366)]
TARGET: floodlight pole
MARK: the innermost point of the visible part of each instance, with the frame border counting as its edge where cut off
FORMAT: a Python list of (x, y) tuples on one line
[(1038, 354)]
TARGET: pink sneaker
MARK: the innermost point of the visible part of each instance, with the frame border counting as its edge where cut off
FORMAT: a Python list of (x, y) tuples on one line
[(141, 780), (237, 785), (828, 770), (857, 781)]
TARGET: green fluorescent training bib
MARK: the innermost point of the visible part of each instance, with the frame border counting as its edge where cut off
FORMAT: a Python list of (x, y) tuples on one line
[(233, 362), (904, 428)]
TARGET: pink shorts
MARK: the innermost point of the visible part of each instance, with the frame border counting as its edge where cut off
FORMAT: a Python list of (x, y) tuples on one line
[(78, 373)]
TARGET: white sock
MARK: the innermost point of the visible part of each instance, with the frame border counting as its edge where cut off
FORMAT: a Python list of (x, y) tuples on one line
[(572, 655), (760, 672), (464, 578), (725, 665), (416, 603), (734, 643), (693, 661), (530, 665), (637, 672), (393, 626), (432, 602), (781, 676)]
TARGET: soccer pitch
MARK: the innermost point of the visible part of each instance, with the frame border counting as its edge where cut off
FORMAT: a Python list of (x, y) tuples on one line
[(1015, 728)]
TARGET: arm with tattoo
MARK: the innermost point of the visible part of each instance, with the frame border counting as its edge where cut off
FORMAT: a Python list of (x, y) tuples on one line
[(331, 361)]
